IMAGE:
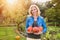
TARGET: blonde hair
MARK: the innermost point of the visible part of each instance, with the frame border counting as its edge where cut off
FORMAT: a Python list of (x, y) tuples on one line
[(30, 14)]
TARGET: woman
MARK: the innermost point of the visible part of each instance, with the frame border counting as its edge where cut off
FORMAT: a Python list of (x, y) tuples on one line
[(34, 17)]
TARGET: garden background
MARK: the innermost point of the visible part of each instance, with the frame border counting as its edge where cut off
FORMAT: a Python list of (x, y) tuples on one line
[(13, 15)]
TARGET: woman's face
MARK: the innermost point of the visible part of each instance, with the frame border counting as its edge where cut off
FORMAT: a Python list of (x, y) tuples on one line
[(34, 11)]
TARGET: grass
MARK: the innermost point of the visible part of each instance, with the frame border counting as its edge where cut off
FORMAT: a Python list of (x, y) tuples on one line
[(55, 29), (8, 33)]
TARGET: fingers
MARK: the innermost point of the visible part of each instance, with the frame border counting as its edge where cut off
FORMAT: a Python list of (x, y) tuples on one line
[(29, 32), (38, 33)]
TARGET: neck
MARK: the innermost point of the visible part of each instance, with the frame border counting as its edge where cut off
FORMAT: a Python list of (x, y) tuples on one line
[(35, 16)]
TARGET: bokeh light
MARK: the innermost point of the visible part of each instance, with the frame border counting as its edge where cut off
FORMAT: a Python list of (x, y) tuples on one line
[(11, 1)]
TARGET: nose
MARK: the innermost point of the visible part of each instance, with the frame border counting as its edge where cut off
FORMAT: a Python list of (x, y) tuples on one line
[(34, 11)]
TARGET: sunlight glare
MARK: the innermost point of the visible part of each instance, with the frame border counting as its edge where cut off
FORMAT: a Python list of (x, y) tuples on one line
[(11, 1), (40, 0)]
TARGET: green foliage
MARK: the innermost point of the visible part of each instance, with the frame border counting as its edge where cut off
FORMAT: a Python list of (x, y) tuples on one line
[(53, 13), (50, 14), (52, 33)]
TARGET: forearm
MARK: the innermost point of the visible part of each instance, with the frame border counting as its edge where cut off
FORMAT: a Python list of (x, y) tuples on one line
[(44, 30)]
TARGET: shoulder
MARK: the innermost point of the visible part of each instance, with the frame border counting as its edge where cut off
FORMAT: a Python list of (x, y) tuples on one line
[(41, 17), (29, 17)]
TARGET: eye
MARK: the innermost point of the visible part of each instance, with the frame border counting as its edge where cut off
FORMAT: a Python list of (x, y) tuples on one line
[(31, 10), (34, 9)]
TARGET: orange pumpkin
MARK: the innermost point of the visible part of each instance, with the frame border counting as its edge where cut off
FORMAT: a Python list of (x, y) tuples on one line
[(40, 29), (17, 37), (35, 30), (30, 29)]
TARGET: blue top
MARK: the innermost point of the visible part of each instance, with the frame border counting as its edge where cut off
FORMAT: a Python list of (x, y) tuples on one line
[(40, 22)]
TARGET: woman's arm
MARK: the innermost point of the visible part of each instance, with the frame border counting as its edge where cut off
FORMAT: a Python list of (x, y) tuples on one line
[(28, 23), (44, 26)]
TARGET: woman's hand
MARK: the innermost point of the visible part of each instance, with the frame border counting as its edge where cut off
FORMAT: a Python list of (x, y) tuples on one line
[(38, 30), (38, 33), (29, 30)]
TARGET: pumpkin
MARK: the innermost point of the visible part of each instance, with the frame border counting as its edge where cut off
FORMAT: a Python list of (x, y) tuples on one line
[(37, 29), (29, 29)]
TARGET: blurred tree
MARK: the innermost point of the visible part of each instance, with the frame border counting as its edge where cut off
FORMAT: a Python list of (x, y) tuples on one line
[(15, 13), (1, 13), (54, 12), (50, 14), (21, 12)]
